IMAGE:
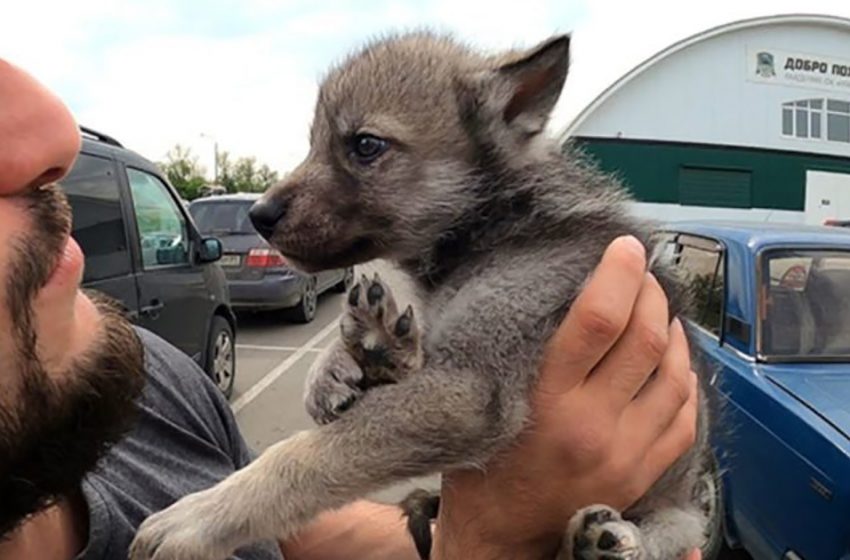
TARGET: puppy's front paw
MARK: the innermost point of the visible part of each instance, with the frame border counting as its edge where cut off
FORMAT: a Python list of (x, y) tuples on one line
[(194, 528), (599, 533), (332, 386), (385, 343)]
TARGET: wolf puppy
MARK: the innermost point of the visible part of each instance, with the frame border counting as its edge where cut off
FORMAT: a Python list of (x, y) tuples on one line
[(433, 156)]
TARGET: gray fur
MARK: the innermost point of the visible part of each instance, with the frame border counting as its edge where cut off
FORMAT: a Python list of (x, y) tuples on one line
[(498, 230)]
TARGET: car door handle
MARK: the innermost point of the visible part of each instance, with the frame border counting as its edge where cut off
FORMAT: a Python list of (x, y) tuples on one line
[(153, 309)]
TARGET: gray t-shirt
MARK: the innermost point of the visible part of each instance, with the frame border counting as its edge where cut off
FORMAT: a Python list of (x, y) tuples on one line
[(185, 440)]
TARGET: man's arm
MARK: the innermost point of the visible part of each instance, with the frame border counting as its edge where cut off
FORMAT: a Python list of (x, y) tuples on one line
[(358, 531)]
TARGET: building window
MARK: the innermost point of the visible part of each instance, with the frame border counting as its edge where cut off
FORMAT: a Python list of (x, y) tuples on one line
[(838, 120), (803, 118)]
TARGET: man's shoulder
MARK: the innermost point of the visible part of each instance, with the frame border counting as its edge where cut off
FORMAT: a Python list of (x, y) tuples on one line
[(180, 393), (170, 370), (161, 356), (185, 439)]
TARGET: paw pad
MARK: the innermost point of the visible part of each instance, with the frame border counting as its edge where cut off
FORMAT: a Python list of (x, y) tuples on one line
[(599, 533)]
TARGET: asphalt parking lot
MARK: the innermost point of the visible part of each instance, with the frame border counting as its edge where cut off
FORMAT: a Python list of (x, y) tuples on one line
[(272, 361)]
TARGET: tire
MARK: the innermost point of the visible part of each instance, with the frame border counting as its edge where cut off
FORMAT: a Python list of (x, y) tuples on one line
[(347, 281), (305, 310), (711, 490), (221, 355)]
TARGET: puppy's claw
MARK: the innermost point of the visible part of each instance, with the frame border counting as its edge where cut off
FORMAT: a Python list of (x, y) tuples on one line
[(376, 292), (404, 323), (354, 295)]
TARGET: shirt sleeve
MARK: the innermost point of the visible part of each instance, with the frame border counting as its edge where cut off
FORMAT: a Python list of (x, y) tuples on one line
[(212, 414)]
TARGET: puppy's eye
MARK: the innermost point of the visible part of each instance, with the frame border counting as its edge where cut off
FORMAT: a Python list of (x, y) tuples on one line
[(367, 147)]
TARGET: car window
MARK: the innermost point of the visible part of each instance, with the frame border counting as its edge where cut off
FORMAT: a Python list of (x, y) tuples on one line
[(162, 228), (94, 194), (804, 304), (222, 218), (699, 262)]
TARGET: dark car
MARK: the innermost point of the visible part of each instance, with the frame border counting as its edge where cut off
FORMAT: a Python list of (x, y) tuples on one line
[(143, 249), (772, 325), (259, 276)]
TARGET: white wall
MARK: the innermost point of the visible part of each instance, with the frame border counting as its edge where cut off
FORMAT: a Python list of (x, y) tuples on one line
[(705, 93), (827, 196), (675, 212)]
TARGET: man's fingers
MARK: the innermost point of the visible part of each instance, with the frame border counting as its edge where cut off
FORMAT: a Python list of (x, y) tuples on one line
[(597, 317), (638, 352), (660, 400), (679, 436)]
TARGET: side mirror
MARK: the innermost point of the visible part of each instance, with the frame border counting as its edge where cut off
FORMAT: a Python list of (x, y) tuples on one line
[(210, 250)]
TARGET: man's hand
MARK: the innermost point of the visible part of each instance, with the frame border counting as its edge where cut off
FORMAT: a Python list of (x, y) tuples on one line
[(603, 431)]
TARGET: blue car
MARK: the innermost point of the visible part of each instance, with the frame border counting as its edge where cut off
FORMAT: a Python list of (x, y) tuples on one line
[(772, 325)]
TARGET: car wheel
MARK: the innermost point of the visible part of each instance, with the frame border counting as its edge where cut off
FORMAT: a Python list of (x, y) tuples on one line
[(710, 500), (305, 310), (221, 355), (347, 281)]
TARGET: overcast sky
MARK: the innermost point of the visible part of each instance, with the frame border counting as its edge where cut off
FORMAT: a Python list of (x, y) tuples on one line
[(157, 72)]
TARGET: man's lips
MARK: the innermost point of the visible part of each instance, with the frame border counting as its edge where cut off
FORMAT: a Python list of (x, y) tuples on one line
[(68, 267)]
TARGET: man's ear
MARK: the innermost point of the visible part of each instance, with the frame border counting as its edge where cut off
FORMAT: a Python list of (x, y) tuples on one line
[(524, 90)]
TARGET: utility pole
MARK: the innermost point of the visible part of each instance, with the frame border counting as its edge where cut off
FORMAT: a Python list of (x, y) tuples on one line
[(215, 161), (215, 155)]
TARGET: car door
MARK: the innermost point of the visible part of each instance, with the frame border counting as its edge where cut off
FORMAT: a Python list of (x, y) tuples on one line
[(174, 300), (100, 228), (757, 440), (780, 453)]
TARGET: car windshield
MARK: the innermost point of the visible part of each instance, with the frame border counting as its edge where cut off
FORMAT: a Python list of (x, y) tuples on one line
[(229, 217), (804, 305)]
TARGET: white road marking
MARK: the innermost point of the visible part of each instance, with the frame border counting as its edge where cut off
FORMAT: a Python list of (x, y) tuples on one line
[(281, 368), (274, 348)]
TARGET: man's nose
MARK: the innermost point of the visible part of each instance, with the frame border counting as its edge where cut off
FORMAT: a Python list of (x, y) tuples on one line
[(266, 212), (39, 138)]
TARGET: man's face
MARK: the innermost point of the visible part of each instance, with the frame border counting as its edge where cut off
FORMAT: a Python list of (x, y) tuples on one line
[(70, 365)]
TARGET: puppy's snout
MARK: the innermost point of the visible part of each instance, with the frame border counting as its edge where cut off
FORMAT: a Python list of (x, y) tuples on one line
[(266, 213)]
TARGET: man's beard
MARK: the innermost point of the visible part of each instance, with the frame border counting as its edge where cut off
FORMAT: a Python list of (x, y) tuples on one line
[(55, 427)]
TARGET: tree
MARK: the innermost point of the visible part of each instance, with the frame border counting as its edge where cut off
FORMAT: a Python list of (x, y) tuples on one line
[(266, 177), (183, 171), (244, 174), (225, 169)]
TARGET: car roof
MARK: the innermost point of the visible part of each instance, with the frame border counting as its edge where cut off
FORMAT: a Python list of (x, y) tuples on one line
[(97, 143), (757, 235), (232, 197)]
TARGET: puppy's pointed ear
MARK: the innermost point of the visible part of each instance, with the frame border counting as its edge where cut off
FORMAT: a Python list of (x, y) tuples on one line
[(537, 79), (523, 90)]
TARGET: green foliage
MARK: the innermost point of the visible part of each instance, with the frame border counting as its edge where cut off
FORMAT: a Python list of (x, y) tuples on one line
[(243, 174), (707, 295), (183, 171)]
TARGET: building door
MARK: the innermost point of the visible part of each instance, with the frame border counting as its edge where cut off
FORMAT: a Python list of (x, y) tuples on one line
[(827, 196)]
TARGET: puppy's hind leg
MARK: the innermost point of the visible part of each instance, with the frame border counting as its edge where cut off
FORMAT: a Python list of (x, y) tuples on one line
[(431, 421), (600, 533), (421, 507)]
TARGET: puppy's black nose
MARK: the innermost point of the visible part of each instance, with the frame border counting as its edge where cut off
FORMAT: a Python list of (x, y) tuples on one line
[(265, 214)]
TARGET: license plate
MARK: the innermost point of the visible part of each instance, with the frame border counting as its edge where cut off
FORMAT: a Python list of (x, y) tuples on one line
[(229, 260)]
